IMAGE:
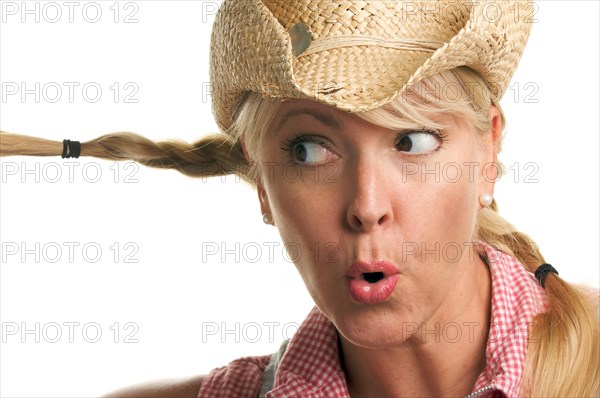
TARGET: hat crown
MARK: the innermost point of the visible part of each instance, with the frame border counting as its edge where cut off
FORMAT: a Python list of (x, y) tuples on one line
[(386, 19)]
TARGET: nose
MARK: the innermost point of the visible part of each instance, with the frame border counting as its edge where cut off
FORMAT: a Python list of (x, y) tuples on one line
[(370, 204)]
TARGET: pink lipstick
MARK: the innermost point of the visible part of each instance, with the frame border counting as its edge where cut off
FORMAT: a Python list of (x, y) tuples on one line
[(372, 283)]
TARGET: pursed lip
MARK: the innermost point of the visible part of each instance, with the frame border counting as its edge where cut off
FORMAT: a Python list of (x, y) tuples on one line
[(371, 282), (360, 267)]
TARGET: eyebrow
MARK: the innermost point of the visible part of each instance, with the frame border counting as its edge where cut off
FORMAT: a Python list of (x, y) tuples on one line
[(321, 117)]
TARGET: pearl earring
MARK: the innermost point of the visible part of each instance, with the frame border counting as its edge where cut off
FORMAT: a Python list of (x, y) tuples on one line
[(485, 199), (267, 219)]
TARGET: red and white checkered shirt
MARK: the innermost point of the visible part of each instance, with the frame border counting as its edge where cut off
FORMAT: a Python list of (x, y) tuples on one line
[(311, 366)]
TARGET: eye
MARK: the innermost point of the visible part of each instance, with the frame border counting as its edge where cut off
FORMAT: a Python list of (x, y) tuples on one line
[(421, 141), (308, 150)]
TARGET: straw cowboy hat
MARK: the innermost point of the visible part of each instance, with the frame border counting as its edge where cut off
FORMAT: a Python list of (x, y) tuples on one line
[(358, 55)]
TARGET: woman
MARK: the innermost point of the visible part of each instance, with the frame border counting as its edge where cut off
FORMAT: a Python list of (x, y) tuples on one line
[(388, 120)]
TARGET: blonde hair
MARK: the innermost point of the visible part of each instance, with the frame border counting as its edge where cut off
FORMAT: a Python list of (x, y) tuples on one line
[(562, 361), (213, 155)]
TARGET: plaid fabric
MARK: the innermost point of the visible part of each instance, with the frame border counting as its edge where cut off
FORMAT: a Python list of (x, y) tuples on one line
[(516, 299), (311, 365), (241, 379)]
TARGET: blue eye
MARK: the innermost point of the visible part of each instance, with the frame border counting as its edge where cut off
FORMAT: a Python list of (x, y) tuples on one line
[(419, 142), (307, 150)]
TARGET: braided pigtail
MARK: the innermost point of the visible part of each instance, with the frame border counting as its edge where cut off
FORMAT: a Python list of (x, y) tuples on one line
[(213, 155)]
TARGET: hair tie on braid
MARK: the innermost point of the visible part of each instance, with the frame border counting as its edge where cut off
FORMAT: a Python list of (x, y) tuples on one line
[(542, 271), (71, 149)]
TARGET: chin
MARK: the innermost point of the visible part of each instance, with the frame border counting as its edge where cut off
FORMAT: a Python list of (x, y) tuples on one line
[(376, 326)]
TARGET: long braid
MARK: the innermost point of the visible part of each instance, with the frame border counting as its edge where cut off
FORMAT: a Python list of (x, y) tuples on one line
[(212, 155)]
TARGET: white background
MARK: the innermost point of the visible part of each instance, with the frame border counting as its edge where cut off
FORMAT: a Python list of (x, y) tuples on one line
[(177, 292)]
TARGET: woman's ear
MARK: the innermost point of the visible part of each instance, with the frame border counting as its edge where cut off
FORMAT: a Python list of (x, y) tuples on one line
[(489, 171), (265, 207), (262, 197), (496, 129)]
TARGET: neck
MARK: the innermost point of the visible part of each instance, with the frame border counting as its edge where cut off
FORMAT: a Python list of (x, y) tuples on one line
[(443, 358)]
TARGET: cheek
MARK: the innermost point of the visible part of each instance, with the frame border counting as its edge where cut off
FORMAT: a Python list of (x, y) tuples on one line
[(300, 210), (441, 211), (307, 216), (458, 211)]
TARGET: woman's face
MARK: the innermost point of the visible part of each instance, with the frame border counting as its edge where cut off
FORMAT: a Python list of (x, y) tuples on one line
[(378, 222)]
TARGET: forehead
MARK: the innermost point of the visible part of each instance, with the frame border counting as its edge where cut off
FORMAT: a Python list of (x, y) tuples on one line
[(326, 114), (393, 119)]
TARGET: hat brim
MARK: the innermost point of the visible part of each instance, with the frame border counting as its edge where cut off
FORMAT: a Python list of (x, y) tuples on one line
[(357, 78)]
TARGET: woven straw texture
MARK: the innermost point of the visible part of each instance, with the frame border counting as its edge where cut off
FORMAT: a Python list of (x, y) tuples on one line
[(358, 55)]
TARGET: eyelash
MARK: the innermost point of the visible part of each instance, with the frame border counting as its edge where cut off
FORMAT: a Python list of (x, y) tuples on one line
[(438, 134), (289, 144)]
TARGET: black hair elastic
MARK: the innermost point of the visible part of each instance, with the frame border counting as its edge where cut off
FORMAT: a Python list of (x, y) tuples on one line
[(71, 149), (542, 271)]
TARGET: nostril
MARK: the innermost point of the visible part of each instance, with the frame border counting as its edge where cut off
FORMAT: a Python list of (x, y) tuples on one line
[(364, 221)]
